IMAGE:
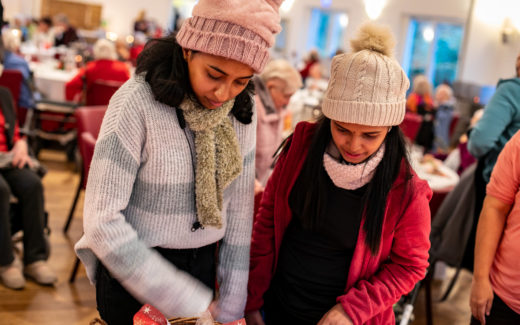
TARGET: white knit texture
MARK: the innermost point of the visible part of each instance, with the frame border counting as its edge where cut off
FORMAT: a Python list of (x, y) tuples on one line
[(351, 177)]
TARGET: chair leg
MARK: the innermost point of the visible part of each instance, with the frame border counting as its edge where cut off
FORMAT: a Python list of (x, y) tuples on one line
[(73, 207), (74, 271), (428, 293)]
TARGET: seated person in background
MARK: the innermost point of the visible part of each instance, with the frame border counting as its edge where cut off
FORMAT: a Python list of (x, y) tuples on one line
[(495, 292), (311, 58), (16, 178), (460, 158), (44, 36), (315, 81), (274, 88), (104, 67), (122, 50), (10, 46), (63, 31), (444, 103), (137, 46), (420, 102)]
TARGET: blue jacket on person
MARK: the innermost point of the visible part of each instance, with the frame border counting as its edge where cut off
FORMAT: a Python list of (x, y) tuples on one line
[(500, 121), (15, 62)]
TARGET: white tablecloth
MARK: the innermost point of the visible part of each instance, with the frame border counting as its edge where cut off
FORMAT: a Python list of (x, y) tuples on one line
[(438, 176), (49, 81)]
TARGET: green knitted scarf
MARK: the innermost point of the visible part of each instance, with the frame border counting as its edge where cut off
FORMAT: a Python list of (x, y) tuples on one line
[(219, 160)]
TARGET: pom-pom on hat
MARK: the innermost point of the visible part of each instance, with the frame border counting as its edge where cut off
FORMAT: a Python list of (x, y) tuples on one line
[(235, 29), (367, 86)]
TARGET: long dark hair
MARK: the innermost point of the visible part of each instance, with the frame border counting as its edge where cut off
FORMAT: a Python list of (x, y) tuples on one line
[(376, 193), (167, 73)]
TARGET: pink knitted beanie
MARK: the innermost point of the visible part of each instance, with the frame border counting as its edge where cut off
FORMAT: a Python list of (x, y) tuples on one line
[(367, 86), (242, 30)]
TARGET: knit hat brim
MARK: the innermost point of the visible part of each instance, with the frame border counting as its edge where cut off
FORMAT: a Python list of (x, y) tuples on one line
[(364, 113), (224, 39)]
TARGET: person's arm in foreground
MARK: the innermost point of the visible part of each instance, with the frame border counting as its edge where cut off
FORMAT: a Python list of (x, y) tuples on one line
[(489, 230)]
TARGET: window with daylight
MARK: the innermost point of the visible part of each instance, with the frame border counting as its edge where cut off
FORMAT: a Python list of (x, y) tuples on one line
[(326, 31), (432, 49)]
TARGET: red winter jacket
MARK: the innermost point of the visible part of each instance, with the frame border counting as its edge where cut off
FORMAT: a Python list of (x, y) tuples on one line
[(374, 283)]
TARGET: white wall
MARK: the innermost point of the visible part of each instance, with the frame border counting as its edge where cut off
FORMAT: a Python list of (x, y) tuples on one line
[(487, 59), (118, 14), (396, 15)]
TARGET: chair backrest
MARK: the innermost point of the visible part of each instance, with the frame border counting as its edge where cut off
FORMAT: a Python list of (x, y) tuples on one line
[(89, 121), (12, 79), (411, 125), (100, 92), (89, 118), (86, 143)]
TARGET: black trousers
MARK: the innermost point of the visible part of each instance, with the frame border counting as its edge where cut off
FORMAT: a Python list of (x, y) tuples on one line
[(117, 306), (27, 187), (500, 314)]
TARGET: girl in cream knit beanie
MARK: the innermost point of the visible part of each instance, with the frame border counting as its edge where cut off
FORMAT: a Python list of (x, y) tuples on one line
[(342, 231), (367, 86)]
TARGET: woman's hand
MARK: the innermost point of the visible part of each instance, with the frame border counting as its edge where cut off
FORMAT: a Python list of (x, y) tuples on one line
[(21, 155), (254, 318), (481, 299), (336, 316), (213, 309)]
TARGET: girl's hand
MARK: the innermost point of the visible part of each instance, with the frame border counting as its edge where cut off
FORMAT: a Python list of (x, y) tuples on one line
[(481, 299), (254, 318), (213, 309), (336, 316)]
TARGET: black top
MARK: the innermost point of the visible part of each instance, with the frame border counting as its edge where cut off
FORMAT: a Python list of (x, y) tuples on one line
[(313, 265)]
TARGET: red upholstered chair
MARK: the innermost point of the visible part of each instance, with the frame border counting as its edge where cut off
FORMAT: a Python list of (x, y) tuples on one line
[(100, 92), (12, 79), (411, 125), (57, 120), (89, 119), (86, 142)]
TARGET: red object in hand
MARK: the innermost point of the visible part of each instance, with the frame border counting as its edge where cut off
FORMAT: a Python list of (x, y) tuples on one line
[(148, 315), (237, 322)]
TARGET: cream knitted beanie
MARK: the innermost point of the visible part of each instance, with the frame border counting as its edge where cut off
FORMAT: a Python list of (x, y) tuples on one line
[(367, 86), (235, 29)]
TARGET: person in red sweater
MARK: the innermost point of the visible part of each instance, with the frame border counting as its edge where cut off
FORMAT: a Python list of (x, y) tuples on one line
[(104, 67), (342, 231)]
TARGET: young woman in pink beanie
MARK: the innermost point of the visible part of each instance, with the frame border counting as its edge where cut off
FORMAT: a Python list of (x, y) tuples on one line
[(173, 170), (343, 225)]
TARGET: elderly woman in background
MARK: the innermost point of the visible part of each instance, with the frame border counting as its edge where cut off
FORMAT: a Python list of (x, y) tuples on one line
[(274, 88), (420, 102), (445, 104), (104, 67), (10, 60)]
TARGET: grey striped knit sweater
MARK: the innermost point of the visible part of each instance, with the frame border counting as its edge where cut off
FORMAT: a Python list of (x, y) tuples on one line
[(140, 194)]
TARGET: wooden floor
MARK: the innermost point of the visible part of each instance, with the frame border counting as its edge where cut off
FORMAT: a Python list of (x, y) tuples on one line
[(76, 304), (64, 303)]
